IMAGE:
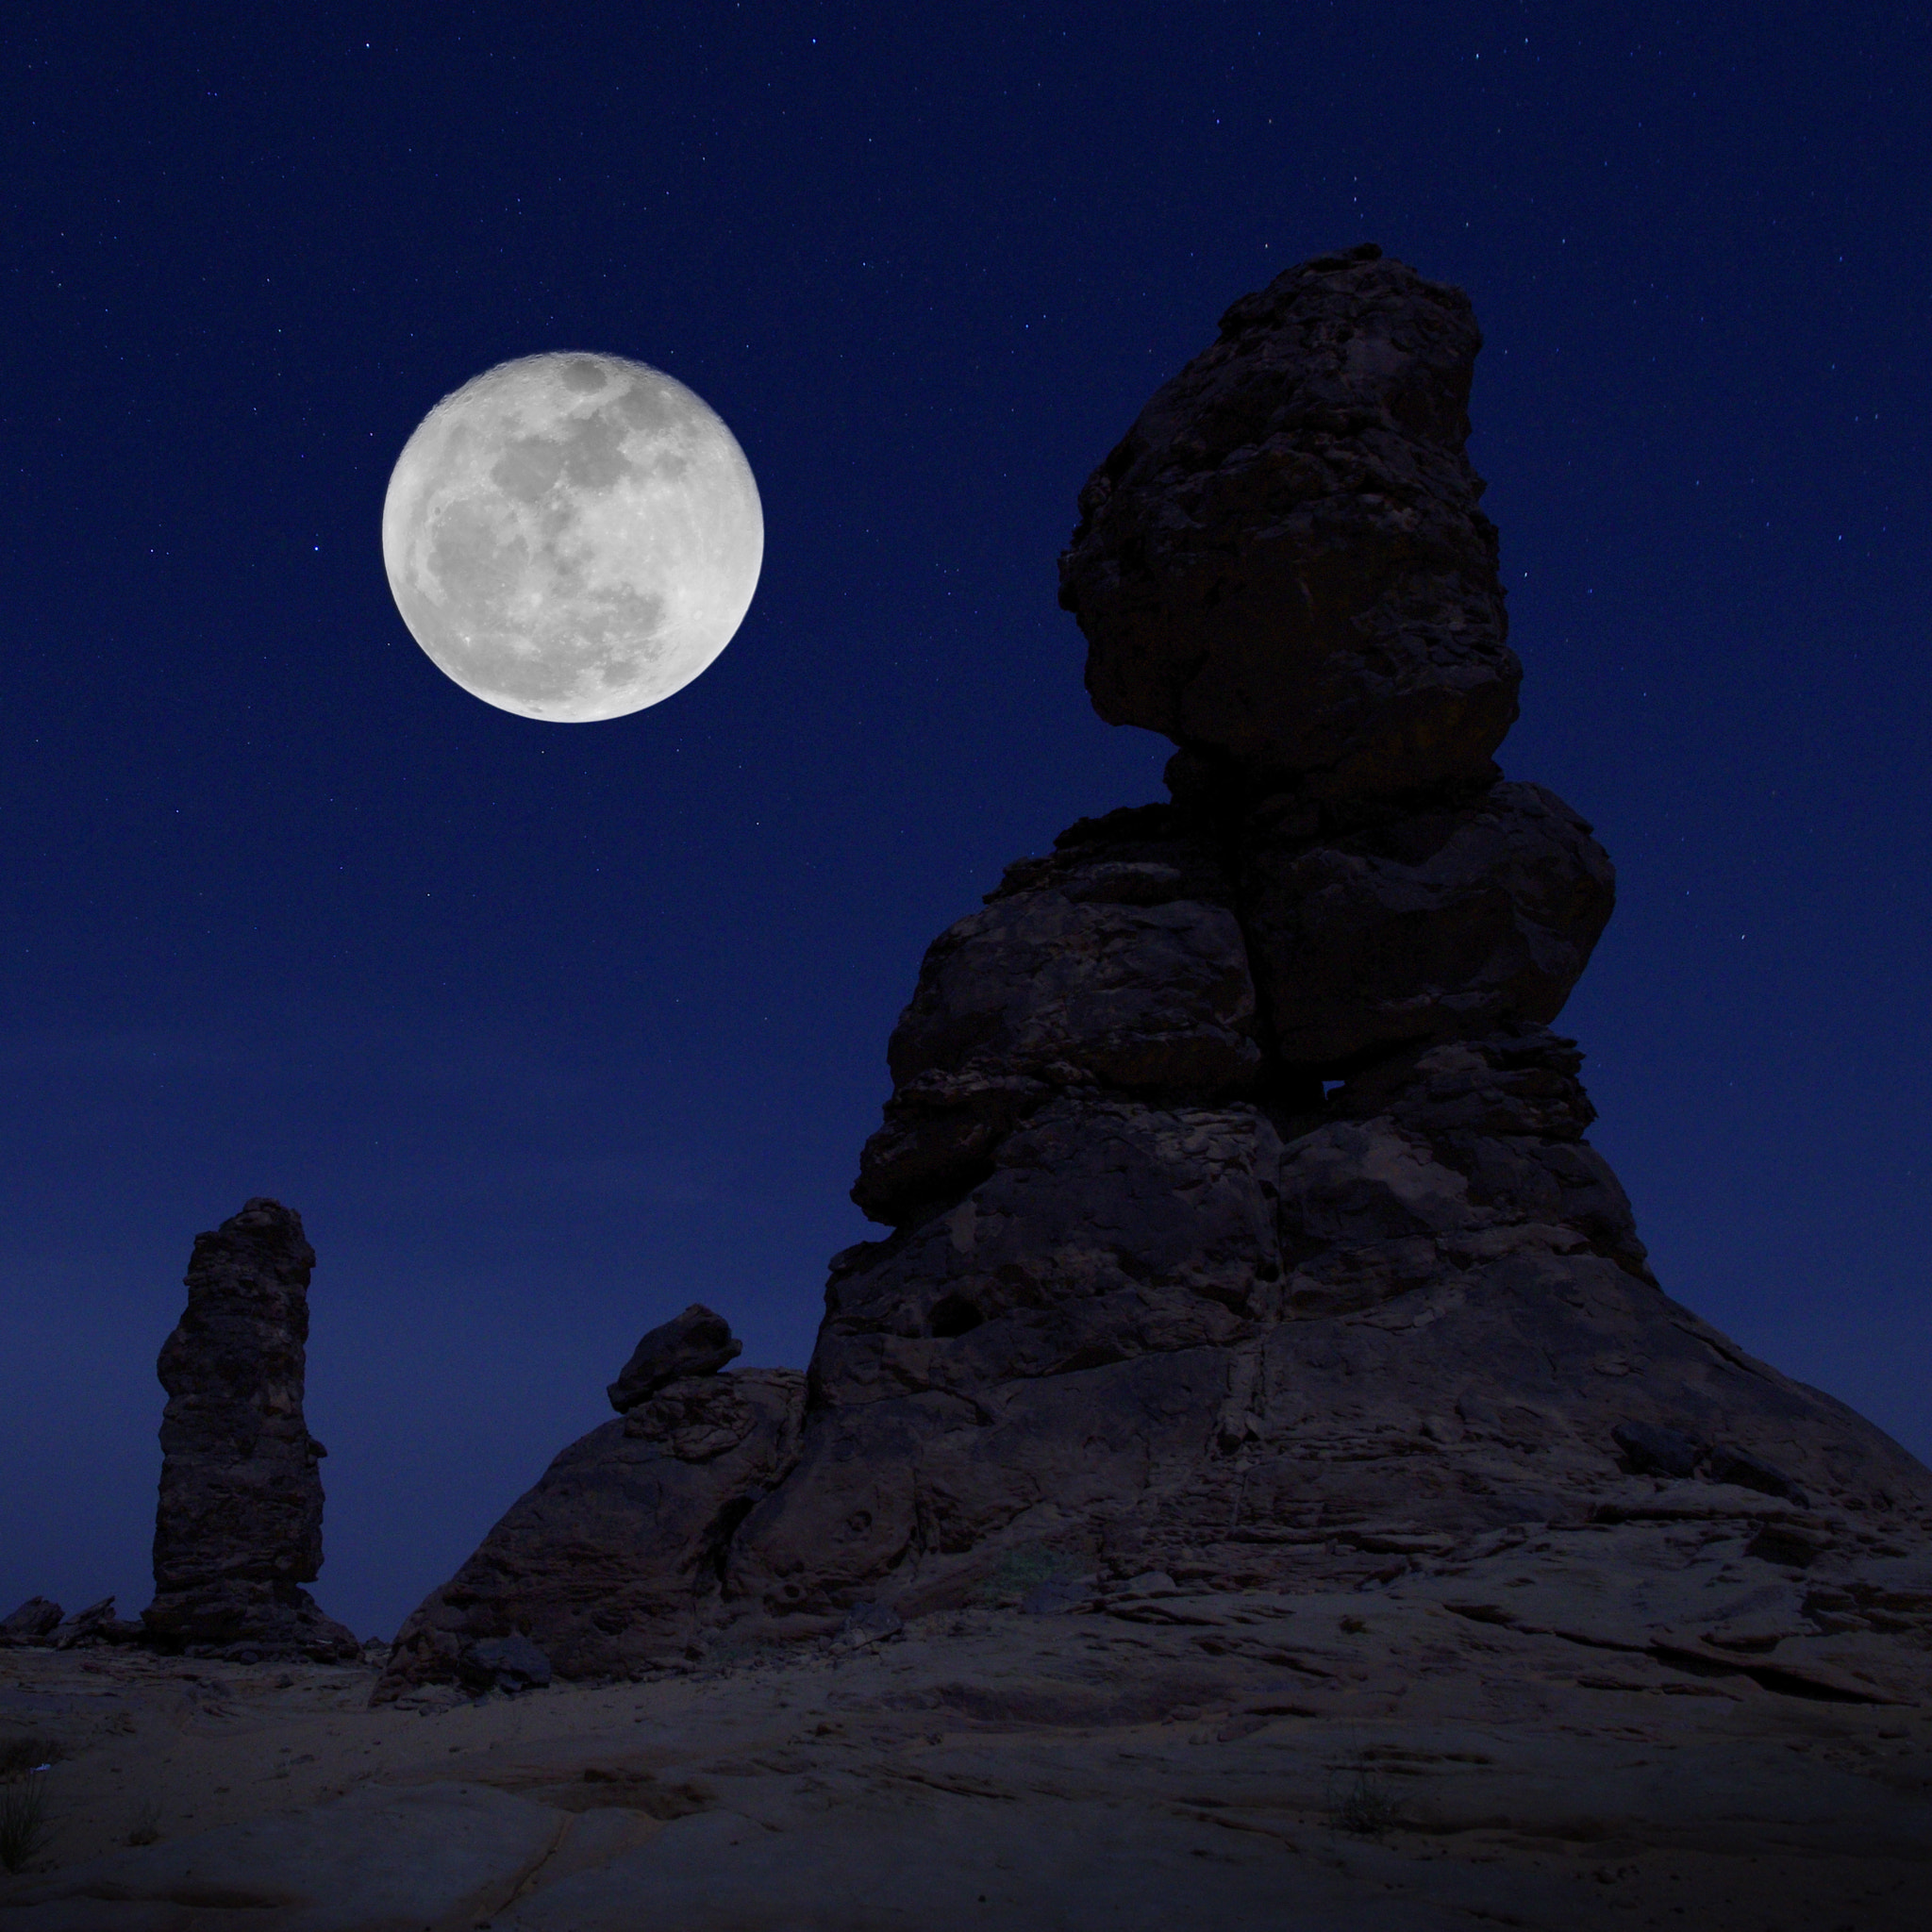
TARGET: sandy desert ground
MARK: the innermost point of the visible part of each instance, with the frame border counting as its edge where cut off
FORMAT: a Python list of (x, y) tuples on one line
[(1503, 1748)]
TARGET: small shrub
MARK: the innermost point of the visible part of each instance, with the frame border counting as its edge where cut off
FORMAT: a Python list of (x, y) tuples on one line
[(1023, 1570), (23, 1829), (1361, 1803)]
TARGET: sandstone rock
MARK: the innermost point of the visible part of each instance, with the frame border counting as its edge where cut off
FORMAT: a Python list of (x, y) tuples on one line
[(1107, 1227), (696, 1343), (938, 1139), (1451, 921), (1102, 967), (915, 1500), (446, 1855), (1283, 1353), (1117, 960), (508, 1664), (95, 1625), (1283, 561), (1246, 1234), (1651, 1450), (1508, 1115), (34, 1622), (1732, 1465), (239, 1526), (1158, 1753), (696, 1418), (607, 1566)]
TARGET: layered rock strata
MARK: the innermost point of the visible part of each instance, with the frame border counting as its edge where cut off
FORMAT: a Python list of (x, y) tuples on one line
[(237, 1529), (1242, 1223)]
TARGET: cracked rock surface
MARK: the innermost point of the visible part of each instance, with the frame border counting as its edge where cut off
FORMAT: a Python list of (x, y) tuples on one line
[(611, 1562)]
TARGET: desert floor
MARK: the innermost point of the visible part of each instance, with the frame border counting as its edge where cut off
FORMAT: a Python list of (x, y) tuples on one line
[(1423, 1757)]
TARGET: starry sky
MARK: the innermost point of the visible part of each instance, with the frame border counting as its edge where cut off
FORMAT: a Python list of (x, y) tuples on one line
[(549, 1030)]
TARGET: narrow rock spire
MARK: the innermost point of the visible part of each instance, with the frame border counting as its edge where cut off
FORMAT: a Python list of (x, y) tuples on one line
[(239, 1526)]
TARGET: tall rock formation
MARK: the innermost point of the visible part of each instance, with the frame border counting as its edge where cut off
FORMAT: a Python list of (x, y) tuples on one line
[(1242, 1224), (239, 1526)]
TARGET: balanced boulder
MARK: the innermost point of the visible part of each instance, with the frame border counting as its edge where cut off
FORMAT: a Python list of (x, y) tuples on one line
[(1283, 564), (696, 1343)]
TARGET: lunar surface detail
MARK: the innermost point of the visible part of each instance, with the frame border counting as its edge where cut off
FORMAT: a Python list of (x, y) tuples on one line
[(572, 536)]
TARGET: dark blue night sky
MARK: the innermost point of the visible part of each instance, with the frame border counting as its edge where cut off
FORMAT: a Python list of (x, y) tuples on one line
[(549, 1030)]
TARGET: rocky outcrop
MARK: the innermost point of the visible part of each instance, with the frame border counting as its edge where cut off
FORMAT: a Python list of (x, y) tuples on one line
[(1244, 1227), (239, 1526), (1440, 921), (1115, 962), (94, 1625), (696, 1343), (1282, 1352), (611, 1564), (34, 1622), (1282, 564)]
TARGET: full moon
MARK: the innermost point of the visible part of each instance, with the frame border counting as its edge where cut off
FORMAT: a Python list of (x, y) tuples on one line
[(572, 536)]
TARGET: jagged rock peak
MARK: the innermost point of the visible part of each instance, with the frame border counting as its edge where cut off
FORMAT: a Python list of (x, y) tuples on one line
[(237, 1529), (1282, 566)]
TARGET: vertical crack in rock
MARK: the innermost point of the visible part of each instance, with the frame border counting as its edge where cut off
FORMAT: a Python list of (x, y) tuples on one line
[(1241, 1221), (238, 1530)]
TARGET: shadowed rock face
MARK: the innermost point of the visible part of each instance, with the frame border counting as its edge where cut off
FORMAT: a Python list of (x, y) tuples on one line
[(612, 1563), (238, 1526), (1443, 921), (1283, 562), (1115, 962), (1278, 1351), (34, 1622), (1242, 1223)]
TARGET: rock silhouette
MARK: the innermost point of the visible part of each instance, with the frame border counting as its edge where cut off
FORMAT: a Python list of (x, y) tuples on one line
[(1244, 1227), (34, 1622), (1282, 564), (95, 1625), (613, 1560), (696, 1343), (238, 1530)]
